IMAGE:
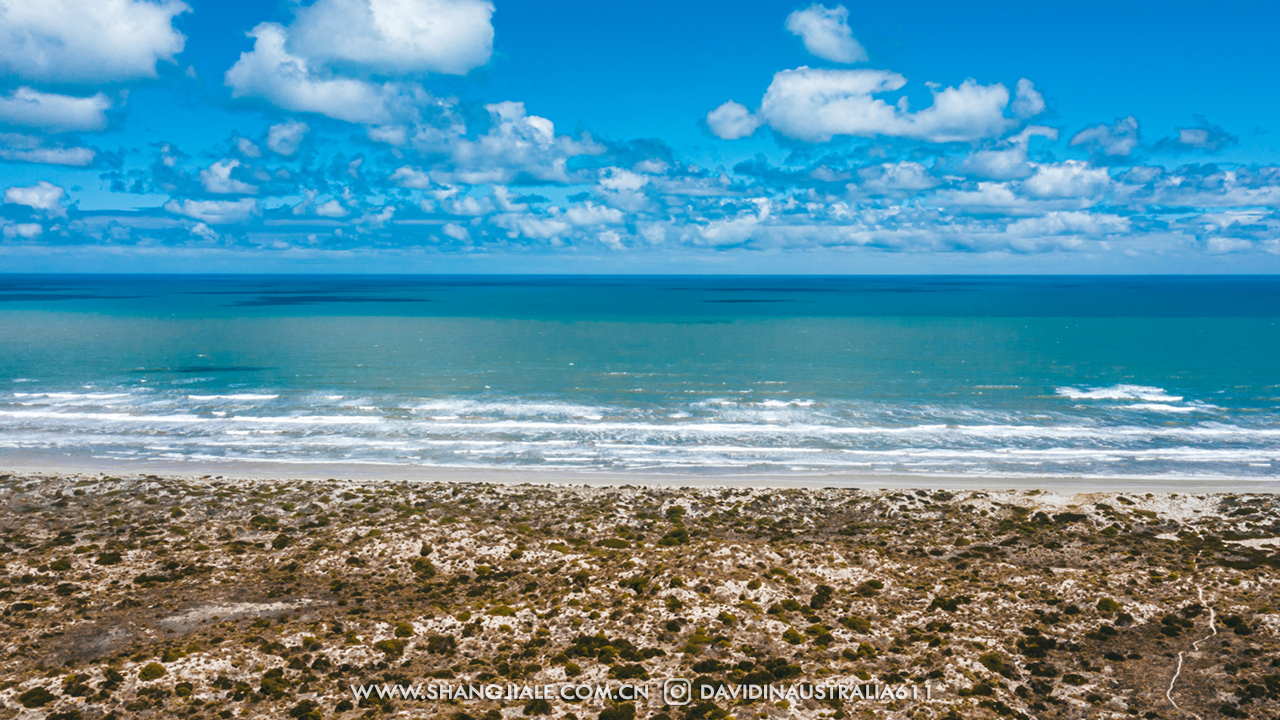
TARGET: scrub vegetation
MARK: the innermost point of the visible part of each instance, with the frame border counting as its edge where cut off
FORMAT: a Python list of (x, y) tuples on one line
[(151, 597)]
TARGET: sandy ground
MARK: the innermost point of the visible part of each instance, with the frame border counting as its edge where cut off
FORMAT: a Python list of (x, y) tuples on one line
[(159, 595), (408, 473)]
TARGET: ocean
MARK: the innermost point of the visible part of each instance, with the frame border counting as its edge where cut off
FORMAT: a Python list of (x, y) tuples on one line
[(1080, 377)]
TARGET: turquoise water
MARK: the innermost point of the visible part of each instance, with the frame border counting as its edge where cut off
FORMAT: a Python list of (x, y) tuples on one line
[(1064, 376)]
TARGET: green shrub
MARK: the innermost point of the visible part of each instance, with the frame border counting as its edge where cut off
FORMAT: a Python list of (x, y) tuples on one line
[(36, 697), (390, 646), (678, 536)]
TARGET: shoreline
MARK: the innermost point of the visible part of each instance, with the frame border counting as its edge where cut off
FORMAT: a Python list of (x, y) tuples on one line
[(366, 472)]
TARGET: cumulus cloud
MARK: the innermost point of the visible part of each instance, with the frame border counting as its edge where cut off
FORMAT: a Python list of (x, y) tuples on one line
[(1027, 102), (1223, 245), (326, 61), (456, 231), (620, 180), (44, 196), (248, 148), (217, 179), (1118, 139), (1008, 159), (815, 105), (826, 33), (1202, 137), (285, 138), (407, 177), (216, 212), (1070, 179), (1069, 223), (56, 113), (332, 209), (28, 148), (591, 214), (393, 37), (290, 82), (517, 144), (27, 231), (891, 177), (534, 227), (87, 41), (731, 121)]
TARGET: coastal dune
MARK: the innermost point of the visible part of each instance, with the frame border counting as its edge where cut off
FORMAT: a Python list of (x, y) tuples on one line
[(165, 595)]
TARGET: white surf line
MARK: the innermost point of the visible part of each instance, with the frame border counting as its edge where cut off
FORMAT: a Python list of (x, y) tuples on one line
[(1168, 694)]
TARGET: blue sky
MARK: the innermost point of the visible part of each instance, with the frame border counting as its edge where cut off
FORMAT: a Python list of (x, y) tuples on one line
[(519, 136)]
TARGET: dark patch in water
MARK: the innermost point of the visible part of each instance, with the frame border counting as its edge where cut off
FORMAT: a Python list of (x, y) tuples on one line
[(28, 297), (767, 290), (735, 302), (319, 300)]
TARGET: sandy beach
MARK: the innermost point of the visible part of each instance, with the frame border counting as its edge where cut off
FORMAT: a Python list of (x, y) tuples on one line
[(178, 595), (280, 471)]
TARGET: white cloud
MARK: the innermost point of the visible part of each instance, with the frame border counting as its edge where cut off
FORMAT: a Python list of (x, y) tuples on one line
[(217, 179), (503, 197), (205, 232), (324, 61), (890, 177), (1117, 140), (390, 134), (620, 180), (516, 143), (44, 195), (532, 226), (1194, 137), (1008, 160), (456, 231), (390, 37), (470, 205), (248, 148), (1070, 179), (285, 138), (23, 230), (407, 177), (815, 105), (1027, 102), (1069, 223), (53, 112), (729, 231), (288, 81), (731, 121), (333, 209), (87, 40), (27, 148), (591, 214), (1224, 245), (376, 221), (216, 212), (611, 239), (826, 33)]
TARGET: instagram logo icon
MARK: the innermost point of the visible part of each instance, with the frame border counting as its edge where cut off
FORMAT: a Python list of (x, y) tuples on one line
[(677, 691)]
